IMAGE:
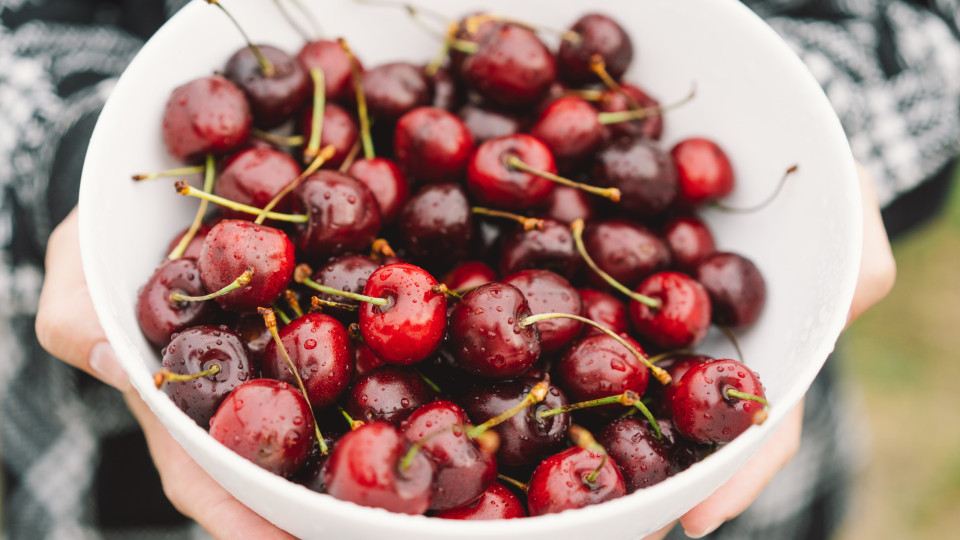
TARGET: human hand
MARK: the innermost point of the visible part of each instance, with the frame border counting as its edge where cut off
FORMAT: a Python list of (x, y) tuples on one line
[(67, 327)]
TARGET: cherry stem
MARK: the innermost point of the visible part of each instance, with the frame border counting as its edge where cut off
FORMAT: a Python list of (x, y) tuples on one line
[(514, 482), (415, 448), (763, 204), (668, 354), (443, 289), (242, 281), (577, 229), (733, 339), (208, 180), (361, 101), (190, 191), (354, 424), (291, 20), (314, 24), (731, 393), (598, 66), (266, 67), (317, 303), (350, 158), (584, 439), (271, 322), (472, 24), (277, 140), (644, 112), (413, 11), (528, 223), (657, 372), (183, 171), (302, 275), (588, 95), (291, 298), (443, 52), (536, 395), (316, 121), (642, 407), (433, 386), (381, 249), (284, 318), (326, 153), (165, 375), (627, 398), (610, 193)]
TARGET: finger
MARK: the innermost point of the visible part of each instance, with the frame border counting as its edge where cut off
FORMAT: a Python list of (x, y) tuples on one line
[(740, 491), (661, 533), (67, 325), (191, 490), (878, 269)]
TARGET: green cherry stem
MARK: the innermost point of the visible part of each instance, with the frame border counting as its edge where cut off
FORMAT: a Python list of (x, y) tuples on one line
[(317, 304), (190, 191), (731, 393), (291, 20), (443, 289), (278, 140), (242, 281), (316, 122), (208, 180), (584, 439), (326, 153), (643, 112), (291, 298), (266, 67), (528, 223), (762, 204), (599, 66), (577, 229), (284, 318), (302, 275), (165, 375), (361, 100), (183, 171), (642, 407), (628, 398), (354, 424), (610, 193), (514, 482), (536, 395)]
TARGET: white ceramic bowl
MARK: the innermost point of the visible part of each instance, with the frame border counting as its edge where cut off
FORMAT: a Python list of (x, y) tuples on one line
[(754, 96)]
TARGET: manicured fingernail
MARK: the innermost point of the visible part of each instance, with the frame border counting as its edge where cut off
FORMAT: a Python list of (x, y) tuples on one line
[(103, 362), (703, 533)]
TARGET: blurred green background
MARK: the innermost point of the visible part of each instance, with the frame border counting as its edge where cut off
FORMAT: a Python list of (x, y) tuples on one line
[(904, 366)]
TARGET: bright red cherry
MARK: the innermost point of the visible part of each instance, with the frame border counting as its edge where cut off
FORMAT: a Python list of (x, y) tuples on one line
[(709, 403), (339, 129), (254, 177), (690, 242), (511, 67), (683, 317), (562, 482), (598, 366), (329, 56), (209, 115), (605, 309), (736, 288), (570, 129), (469, 275), (495, 183), (432, 145), (497, 502), (703, 171), (596, 35), (388, 184)]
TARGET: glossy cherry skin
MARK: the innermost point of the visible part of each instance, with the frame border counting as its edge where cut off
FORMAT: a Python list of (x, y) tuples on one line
[(272, 99), (349, 273), (548, 292), (436, 225), (570, 129), (645, 175), (494, 183), (234, 246), (192, 250), (159, 318), (736, 288), (549, 249), (605, 309), (511, 67), (560, 482), (625, 250), (254, 177), (319, 347), (365, 468), (394, 89), (682, 452), (676, 367), (250, 328), (339, 129), (703, 171), (690, 242), (464, 471), (486, 123), (388, 184), (469, 275), (195, 350), (632, 444), (683, 319), (432, 145), (650, 127), (329, 56), (525, 438), (344, 215), (387, 394), (566, 204), (365, 359), (485, 336), (703, 411), (209, 115), (412, 324), (497, 502), (598, 366), (598, 35)]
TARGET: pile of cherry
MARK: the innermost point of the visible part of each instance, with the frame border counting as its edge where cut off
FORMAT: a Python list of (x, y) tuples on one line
[(528, 363)]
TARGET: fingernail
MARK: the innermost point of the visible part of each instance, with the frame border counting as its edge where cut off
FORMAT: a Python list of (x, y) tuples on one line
[(705, 532), (103, 362)]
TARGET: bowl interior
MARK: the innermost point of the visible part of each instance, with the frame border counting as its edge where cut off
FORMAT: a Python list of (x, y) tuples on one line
[(753, 96)]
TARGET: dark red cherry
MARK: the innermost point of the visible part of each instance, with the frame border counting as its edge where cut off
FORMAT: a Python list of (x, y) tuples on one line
[(632, 444), (436, 225), (432, 145), (486, 123), (196, 350), (348, 273), (267, 422), (511, 67), (209, 115), (319, 347), (469, 275), (625, 250), (394, 89), (605, 309), (273, 99), (597, 35), (388, 394), (366, 360), (464, 471), (598, 366), (675, 366), (447, 93), (650, 127), (548, 292), (704, 171), (497, 502), (255, 336), (339, 129), (567, 204), (485, 334), (525, 438), (495, 183), (366, 468), (736, 288), (329, 56), (344, 215), (703, 409), (234, 246), (254, 177), (689, 240), (570, 129), (644, 174), (682, 452), (412, 324), (159, 317), (388, 184), (192, 250), (684, 317), (561, 482), (551, 248)]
